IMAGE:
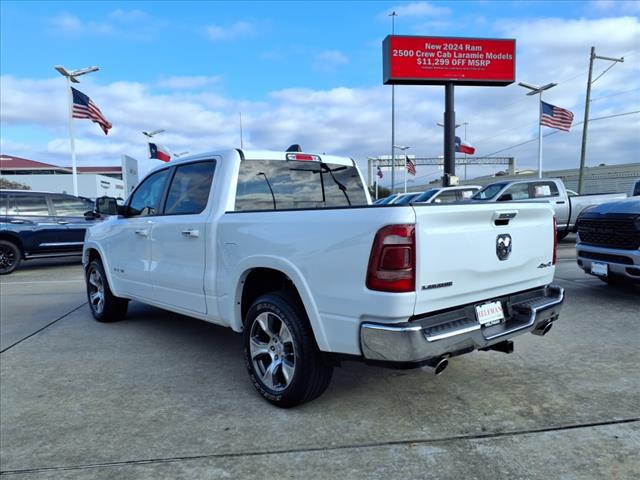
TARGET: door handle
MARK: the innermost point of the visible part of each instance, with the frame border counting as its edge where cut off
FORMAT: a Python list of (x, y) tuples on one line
[(63, 222), (16, 221), (143, 232), (561, 202), (191, 233)]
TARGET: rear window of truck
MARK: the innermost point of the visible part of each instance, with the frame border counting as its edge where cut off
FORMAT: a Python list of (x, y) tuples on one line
[(292, 184)]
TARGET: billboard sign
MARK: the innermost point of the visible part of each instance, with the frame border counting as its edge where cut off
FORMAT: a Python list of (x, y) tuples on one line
[(129, 174), (417, 60)]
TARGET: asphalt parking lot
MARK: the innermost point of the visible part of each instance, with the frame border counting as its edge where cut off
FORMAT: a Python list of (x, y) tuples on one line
[(164, 396)]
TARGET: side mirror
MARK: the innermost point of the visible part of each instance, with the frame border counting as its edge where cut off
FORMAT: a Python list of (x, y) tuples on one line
[(507, 197), (91, 215), (106, 206)]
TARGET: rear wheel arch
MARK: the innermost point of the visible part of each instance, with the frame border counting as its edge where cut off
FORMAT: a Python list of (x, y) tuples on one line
[(256, 282), (7, 237)]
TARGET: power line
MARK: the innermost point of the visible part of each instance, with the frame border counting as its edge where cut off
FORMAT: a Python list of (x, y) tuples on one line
[(615, 94), (558, 131)]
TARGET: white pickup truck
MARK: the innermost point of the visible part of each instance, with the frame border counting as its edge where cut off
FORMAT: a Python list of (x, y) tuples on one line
[(286, 248), (548, 190)]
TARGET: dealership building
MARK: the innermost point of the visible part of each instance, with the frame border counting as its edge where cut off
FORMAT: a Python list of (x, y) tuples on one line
[(93, 182)]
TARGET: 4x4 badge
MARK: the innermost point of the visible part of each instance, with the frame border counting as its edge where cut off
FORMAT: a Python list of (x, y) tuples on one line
[(503, 246)]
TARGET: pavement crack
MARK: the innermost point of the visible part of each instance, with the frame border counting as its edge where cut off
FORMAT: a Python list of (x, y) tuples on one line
[(41, 329), (422, 441)]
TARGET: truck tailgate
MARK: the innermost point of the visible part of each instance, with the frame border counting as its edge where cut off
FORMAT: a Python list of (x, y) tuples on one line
[(457, 252)]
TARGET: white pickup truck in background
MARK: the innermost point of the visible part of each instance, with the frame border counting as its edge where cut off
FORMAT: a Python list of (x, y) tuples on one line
[(286, 248), (547, 190)]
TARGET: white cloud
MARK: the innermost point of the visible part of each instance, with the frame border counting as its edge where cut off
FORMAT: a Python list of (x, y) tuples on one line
[(236, 30), (188, 82), (130, 24), (354, 121), (67, 23), (418, 10), (616, 6), (329, 60)]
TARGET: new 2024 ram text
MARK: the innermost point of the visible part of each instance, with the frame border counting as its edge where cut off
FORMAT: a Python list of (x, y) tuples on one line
[(286, 248)]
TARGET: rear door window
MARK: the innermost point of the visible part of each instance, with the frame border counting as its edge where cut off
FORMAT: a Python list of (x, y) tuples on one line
[(544, 189), (189, 190), (280, 184), (71, 206), (31, 205)]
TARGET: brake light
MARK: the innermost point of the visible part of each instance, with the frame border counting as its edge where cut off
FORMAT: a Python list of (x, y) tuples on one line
[(555, 240), (305, 157), (392, 260)]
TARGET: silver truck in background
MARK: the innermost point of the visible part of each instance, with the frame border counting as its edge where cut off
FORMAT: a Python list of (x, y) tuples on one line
[(550, 190)]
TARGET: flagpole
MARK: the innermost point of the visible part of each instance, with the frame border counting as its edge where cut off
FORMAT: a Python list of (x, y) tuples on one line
[(540, 138), (405, 173), (72, 139), (377, 177)]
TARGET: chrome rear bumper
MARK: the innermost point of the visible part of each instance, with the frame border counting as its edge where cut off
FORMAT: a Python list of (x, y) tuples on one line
[(458, 331)]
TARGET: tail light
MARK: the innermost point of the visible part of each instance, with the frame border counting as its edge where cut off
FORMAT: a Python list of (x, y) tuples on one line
[(555, 239), (393, 259)]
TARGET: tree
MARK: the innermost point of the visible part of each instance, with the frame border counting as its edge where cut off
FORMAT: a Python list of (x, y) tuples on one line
[(11, 185), (382, 191)]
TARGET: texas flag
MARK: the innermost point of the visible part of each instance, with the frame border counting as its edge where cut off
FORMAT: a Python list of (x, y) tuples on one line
[(464, 147), (158, 152)]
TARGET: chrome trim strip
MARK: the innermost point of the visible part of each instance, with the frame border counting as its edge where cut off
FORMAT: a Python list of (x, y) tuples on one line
[(60, 244), (452, 333)]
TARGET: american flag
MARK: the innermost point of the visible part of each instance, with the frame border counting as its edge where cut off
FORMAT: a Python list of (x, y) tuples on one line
[(556, 117), (83, 107), (411, 168)]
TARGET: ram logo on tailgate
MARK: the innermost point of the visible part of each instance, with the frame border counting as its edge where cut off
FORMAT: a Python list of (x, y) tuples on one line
[(503, 246)]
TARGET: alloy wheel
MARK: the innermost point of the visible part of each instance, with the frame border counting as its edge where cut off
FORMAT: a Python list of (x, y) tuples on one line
[(272, 351), (96, 290)]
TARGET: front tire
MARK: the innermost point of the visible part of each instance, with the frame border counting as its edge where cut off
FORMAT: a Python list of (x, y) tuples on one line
[(10, 256), (104, 305), (282, 358)]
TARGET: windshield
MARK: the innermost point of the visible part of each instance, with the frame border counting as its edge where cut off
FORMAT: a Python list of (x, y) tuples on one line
[(424, 196), (405, 200), (489, 192)]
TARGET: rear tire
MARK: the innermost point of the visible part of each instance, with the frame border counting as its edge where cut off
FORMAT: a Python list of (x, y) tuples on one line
[(104, 305), (10, 257), (282, 358)]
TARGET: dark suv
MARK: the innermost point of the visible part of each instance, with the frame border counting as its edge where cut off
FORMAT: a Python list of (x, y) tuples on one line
[(39, 224)]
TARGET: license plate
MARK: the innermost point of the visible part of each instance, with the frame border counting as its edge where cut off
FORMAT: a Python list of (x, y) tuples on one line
[(489, 313), (600, 269)]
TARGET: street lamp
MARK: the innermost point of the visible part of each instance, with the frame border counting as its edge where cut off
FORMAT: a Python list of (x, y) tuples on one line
[(537, 90), (180, 154), (71, 77), (155, 132)]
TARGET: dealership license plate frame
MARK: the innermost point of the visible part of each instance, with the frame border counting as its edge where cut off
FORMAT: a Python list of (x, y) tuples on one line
[(600, 269), (490, 313)]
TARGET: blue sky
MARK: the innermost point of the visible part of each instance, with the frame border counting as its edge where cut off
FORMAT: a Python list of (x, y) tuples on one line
[(309, 70)]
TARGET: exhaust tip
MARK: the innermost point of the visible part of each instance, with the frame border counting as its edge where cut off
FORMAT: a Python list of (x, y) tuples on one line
[(543, 330), (440, 367)]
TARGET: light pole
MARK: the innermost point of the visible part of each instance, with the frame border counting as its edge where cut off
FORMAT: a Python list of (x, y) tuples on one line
[(536, 90), (585, 125), (71, 77), (155, 132), (404, 149), (440, 124), (181, 154), (393, 16)]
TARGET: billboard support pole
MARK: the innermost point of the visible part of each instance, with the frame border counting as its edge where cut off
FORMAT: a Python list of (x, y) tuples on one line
[(449, 135)]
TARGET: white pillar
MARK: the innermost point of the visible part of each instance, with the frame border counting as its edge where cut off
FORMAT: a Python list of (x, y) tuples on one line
[(72, 140)]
